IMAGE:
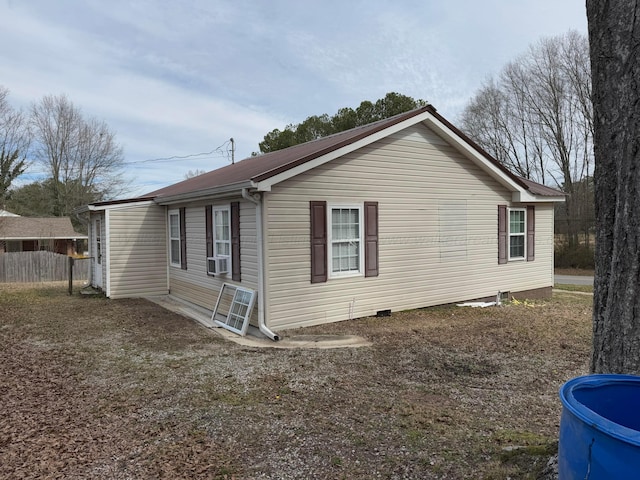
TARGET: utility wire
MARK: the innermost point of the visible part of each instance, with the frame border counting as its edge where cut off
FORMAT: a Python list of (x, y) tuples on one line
[(219, 150)]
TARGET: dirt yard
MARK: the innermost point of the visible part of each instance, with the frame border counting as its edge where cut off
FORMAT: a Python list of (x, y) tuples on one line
[(97, 388)]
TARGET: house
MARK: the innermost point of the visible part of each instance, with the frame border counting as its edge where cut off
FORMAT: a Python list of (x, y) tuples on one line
[(403, 213), (28, 234)]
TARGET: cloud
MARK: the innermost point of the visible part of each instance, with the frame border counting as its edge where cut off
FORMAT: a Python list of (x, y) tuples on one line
[(175, 78)]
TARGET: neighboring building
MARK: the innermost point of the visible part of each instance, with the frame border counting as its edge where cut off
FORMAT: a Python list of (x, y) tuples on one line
[(28, 234), (403, 213)]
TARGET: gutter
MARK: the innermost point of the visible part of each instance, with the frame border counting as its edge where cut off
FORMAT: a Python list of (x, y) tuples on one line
[(256, 199)]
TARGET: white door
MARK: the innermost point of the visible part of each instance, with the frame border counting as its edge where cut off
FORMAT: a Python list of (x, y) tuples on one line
[(96, 253)]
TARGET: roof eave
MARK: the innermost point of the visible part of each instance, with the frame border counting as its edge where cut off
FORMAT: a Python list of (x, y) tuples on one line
[(99, 206), (223, 191), (83, 209)]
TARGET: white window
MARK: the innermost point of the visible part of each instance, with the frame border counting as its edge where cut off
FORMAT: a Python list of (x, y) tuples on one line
[(222, 238), (517, 233), (345, 240), (174, 237), (233, 308)]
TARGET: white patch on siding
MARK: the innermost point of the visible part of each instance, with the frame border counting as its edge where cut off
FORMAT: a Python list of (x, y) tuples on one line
[(452, 229)]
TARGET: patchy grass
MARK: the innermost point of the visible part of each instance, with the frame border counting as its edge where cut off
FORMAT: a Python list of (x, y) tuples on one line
[(98, 388)]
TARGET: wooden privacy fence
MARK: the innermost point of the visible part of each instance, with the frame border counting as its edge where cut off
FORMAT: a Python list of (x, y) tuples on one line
[(26, 267)]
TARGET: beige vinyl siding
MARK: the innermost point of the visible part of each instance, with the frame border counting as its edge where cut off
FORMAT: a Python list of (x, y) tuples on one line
[(193, 284), (137, 251), (416, 178)]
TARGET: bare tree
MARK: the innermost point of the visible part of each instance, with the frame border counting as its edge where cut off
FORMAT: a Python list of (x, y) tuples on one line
[(80, 155), (497, 119), (14, 144), (536, 118), (615, 42)]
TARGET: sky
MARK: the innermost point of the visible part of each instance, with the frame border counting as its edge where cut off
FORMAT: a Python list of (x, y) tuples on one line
[(176, 80)]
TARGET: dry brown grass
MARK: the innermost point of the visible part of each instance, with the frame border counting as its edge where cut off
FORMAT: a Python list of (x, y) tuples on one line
[(91, 387)]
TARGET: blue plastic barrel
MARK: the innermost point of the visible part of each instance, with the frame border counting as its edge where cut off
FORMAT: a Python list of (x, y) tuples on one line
[(600, 428)]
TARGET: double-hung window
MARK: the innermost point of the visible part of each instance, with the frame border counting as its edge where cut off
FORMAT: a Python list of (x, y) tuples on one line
[(517, 233), (345, 245), (222, 226), (222, 236), (174, 237)]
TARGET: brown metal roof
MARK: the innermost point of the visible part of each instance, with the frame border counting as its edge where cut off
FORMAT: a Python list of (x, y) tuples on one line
[(37, 227), (262, 167)]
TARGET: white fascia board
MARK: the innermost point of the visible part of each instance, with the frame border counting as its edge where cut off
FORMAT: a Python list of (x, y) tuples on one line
[(265, 185), (527, 197), (117, 206)]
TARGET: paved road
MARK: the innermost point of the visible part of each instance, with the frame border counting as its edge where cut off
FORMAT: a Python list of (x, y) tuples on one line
[(573, 280)]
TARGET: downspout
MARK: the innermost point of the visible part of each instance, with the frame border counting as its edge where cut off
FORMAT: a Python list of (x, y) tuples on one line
[(256, 198)]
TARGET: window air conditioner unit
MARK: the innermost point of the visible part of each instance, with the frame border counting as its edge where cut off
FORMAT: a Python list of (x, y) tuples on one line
[(217, 265)]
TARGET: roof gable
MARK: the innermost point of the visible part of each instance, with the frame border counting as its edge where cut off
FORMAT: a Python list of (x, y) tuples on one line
[(263, 171)]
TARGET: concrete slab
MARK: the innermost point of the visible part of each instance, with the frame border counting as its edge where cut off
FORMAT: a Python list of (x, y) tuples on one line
[(254, 337)]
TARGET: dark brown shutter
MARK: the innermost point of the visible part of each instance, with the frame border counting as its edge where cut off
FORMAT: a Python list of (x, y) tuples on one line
[(503, 238), (370, 239), (318, 241), (235, 241), (183, 238), (208, 222), (531, 233)]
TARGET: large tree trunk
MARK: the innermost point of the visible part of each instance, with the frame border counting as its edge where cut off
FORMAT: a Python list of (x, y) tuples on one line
[(614, 34)]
